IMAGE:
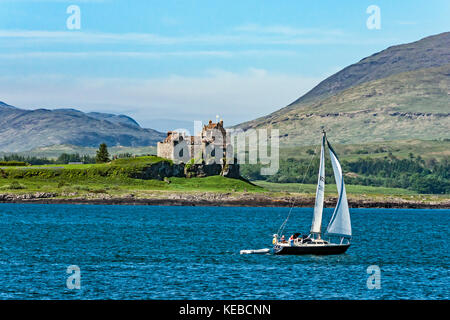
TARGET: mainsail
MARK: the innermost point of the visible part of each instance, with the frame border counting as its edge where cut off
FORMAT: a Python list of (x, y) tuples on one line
[(340, 221), (318, 207)]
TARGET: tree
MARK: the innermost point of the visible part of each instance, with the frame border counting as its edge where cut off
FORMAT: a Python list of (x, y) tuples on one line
[(102, 154), (65, 158)]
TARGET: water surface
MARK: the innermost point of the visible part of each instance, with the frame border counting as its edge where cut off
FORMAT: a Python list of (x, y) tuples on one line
[(150, 252)]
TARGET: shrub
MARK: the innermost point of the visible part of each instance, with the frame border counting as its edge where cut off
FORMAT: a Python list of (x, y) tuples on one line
[(13, 164), (14, 185)]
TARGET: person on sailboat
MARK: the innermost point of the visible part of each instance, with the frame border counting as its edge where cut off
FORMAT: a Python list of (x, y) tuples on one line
[(282, 238), (291, 240), (275, 240)]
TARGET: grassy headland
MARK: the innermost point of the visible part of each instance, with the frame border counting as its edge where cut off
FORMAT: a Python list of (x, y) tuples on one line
[(116, 182), (116, 177)]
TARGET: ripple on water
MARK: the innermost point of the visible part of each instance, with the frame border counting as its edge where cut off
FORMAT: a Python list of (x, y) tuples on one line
[(128, 252)]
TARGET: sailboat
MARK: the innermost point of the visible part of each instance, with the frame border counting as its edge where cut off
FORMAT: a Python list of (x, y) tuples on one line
[(339, 230)]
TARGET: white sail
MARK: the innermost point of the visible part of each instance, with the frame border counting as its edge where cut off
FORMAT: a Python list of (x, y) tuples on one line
[(318, 207), (340, 221)]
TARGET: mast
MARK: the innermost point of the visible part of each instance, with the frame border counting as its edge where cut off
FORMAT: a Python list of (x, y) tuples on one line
[(320, 191), (340, 223)]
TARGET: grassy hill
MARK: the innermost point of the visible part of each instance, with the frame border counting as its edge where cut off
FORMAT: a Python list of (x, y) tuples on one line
[(114, 178)]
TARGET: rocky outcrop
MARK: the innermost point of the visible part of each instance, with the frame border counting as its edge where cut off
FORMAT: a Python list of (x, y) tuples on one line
[(26, 196), (229, 170), (160, 170), (202, 170), (166, 169)]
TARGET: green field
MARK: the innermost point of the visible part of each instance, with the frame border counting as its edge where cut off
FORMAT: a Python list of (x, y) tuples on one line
[(123, 185), (330, 189)]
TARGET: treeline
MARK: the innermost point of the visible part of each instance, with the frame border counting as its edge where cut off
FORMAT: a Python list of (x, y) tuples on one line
[(64, 158), (414, 173)]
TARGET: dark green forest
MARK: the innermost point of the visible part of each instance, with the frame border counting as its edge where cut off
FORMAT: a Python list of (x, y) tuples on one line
[(64, 158), (414, 173)]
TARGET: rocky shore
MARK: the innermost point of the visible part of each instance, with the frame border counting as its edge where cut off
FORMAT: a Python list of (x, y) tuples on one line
[(217, 199)]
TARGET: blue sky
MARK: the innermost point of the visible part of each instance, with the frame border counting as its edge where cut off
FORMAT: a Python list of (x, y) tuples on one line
[(192, 60)]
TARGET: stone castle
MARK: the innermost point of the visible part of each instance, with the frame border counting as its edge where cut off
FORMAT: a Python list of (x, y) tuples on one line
[(210, 144)]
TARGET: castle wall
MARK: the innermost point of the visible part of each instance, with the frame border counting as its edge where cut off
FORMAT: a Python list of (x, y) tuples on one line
[(165, 150), (198, 147), (195, 151)]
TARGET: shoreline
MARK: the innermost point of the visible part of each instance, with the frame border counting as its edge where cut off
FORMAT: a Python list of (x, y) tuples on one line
[(220, 200)]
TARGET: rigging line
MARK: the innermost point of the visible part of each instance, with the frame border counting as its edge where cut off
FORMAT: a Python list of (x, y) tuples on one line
[(281, 229)]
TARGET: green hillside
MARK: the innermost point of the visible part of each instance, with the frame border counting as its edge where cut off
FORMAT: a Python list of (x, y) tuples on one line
[(409, 105), (400, 93), (426, 149), (429, 52)]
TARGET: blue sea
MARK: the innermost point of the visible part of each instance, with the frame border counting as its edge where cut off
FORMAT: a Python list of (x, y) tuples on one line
[(151, 252)]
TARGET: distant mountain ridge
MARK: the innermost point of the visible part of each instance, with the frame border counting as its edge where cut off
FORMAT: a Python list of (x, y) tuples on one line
[(22, 130), (4, 105), (121, 119), (401, 92)]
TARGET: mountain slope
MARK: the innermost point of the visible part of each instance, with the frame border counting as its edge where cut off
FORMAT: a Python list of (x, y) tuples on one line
[(375, 100), (429, 52), (22, 130)]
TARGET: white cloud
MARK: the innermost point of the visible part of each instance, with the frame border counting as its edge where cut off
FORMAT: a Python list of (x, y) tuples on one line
[(287, 30), (144, 54), (236, 97), (243, 35)]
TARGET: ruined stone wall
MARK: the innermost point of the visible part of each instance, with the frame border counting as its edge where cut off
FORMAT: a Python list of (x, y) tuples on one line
[(195, 151), (165, 150)]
